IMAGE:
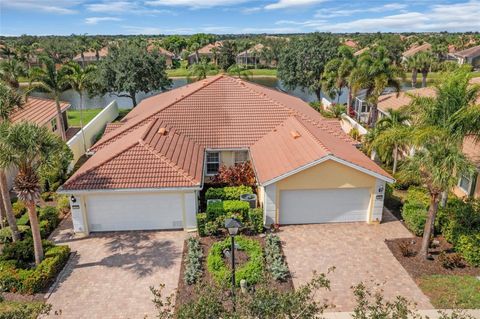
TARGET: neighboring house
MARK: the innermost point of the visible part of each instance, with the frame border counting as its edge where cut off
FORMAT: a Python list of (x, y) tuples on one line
[(469, 186), (169, 56), (351, 43), (251, 56), (416, 49), (207, 51), (147, 172), (91, 56), (42, 112), (359, 52), (469, 56)]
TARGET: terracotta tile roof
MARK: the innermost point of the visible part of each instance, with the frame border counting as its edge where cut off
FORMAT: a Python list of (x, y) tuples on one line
[(37, 110), (359, 52), (255, 49), (395, 102), (469, 53), (208, 48), (416, 49), (111, 127), (173, 129), (471, 148), (351, 43), (161, 50), (91, 55)]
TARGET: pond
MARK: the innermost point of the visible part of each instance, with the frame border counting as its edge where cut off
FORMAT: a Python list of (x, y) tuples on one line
[(126, 103)]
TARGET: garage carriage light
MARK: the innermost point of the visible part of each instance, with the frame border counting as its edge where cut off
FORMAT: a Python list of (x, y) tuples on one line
[(73, 199)]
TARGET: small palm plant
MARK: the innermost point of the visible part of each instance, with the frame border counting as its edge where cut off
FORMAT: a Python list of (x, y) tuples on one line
[(200, 70), (238, 71), (34, 151)]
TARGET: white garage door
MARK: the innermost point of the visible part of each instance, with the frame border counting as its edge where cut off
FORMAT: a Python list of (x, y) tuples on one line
[(108, 212), (324, 205)]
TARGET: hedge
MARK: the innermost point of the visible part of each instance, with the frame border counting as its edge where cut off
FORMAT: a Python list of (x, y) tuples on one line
[(29, 281), (251, 271), (237, 207), (255, 217), (415, 210), (228, 193), (468, 245), (6, 233)]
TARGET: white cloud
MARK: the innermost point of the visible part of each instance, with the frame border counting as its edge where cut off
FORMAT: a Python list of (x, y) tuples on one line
[(49, 6), (283, 4), (125, 7), (194, 4), (346, 11), (96, 20), (251, 10)]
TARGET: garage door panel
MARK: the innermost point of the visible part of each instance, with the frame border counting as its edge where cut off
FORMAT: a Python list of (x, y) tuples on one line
[(324, 205), (134, 212)]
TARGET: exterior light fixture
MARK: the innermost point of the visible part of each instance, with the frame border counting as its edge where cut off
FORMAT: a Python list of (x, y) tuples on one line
[(233, 226)]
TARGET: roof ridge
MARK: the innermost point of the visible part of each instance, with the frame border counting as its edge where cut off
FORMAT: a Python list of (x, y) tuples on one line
[(168, 161), (210, 81), (313, 135)]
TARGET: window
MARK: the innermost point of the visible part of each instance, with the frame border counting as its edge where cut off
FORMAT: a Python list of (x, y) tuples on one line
[(213, 162), (464, 183), (241, 156), (53, 124)]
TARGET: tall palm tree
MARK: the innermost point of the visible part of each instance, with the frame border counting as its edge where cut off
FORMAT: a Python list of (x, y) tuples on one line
[(9, 100), (425, 60), (195, 47), (80, 80), (374, 73), (393, 132), (52, 81), (200, 70), (337, 72), (83, 45), (32, 150), (412, 64), (10, 72)]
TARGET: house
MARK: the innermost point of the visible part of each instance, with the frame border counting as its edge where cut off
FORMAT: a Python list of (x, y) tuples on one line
[(351, 43), (416, 48), (469, 186), (169, 56), (91, 56), (252, 56), (147, 173), (359, 52), (207, 52), (468, 56), (41, 111)]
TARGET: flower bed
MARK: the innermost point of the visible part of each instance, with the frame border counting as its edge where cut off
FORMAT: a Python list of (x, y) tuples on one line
[(275, 262), (193, 262)]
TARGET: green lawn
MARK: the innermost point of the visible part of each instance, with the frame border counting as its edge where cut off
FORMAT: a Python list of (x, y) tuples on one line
[(448, 291), (16, 309), (74, 116)]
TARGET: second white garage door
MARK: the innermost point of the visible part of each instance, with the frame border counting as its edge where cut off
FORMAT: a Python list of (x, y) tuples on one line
[(108, 212), (324, 205)]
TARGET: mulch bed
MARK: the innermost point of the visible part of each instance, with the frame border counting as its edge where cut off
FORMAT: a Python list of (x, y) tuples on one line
[(186, 293), (417, 266)]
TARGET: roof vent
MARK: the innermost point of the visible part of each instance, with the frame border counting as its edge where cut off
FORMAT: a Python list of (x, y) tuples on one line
[(295, 134), (162, 131)]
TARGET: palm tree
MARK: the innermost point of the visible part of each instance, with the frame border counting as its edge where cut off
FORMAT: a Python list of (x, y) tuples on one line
[(425, 62), (374, 73), (200, 70), (412, 64), (393, 132), (52, 81), (337, 72), (436, 165), (80, 80), (10, 72), (238, 71), (195, 47), (83, 45), (9, 100), (96, 45), (32, 150)]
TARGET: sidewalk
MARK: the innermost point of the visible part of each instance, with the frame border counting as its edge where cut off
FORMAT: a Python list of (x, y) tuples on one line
[(432, 314)]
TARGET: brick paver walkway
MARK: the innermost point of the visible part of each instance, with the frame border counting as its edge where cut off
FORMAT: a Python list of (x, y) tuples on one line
[(110, 275), (358, 252)]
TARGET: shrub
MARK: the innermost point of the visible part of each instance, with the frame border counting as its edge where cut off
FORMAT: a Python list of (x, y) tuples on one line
[(21, 251), (63, 204), (215, 193), (415, 210), (255, 217), (34, 280), (405, 249), (193, 263), (201, 220), (213, 227), (215, 210), (6, 233), (23, 220), (450, 261), (276, 264), (49, 220), (46, 196), (469, 247), (227, 208), (239, 174), (19, 209), (251, 271), (459, 217), (234, 192)]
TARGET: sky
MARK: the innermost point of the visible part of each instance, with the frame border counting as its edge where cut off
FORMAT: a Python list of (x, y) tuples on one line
[(64, 17)]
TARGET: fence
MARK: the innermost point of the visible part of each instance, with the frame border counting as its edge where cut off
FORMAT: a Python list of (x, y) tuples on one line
[(91, 131), (348, 124)]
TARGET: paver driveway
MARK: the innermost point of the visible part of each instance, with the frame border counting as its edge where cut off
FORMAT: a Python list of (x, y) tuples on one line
[(111, 273), (358, 252)]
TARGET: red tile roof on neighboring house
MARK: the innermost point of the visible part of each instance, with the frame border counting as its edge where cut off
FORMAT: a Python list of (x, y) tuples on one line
[(207, 49), (37, 110), (255, 49), (351, 43), (471, 148), (359, 52), (396, 101), (91, 55), (161, 143), (468, 53), (416, 49), (161, 50)]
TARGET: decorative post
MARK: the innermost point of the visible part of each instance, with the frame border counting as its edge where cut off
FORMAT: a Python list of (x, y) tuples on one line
[(233, 226)]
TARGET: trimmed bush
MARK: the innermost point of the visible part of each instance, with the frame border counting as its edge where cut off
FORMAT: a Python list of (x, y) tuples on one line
[(255, 217), (236, 207), (415, 210), (48, 220), (228, 193), (63, 204), (276, 264), (215, 193), (201, 220), (469, 247), (215, 210), (29, 281), (193, 262), (251, 271), (458, 218), (19, 209)]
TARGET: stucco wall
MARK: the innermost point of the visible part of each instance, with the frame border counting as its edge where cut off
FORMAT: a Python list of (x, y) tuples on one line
[(91, 130), (328, 175)]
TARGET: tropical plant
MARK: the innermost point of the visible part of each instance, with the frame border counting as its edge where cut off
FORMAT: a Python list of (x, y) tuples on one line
[(52, 81), (80, 79), (33, 150), (226, 55), (374, 73), (129, 69), (236, 175), (10, 72), (303, 60), (82, 44), (412, 64), (200, 70), (425, 61), (238, 71), (337, 72)]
